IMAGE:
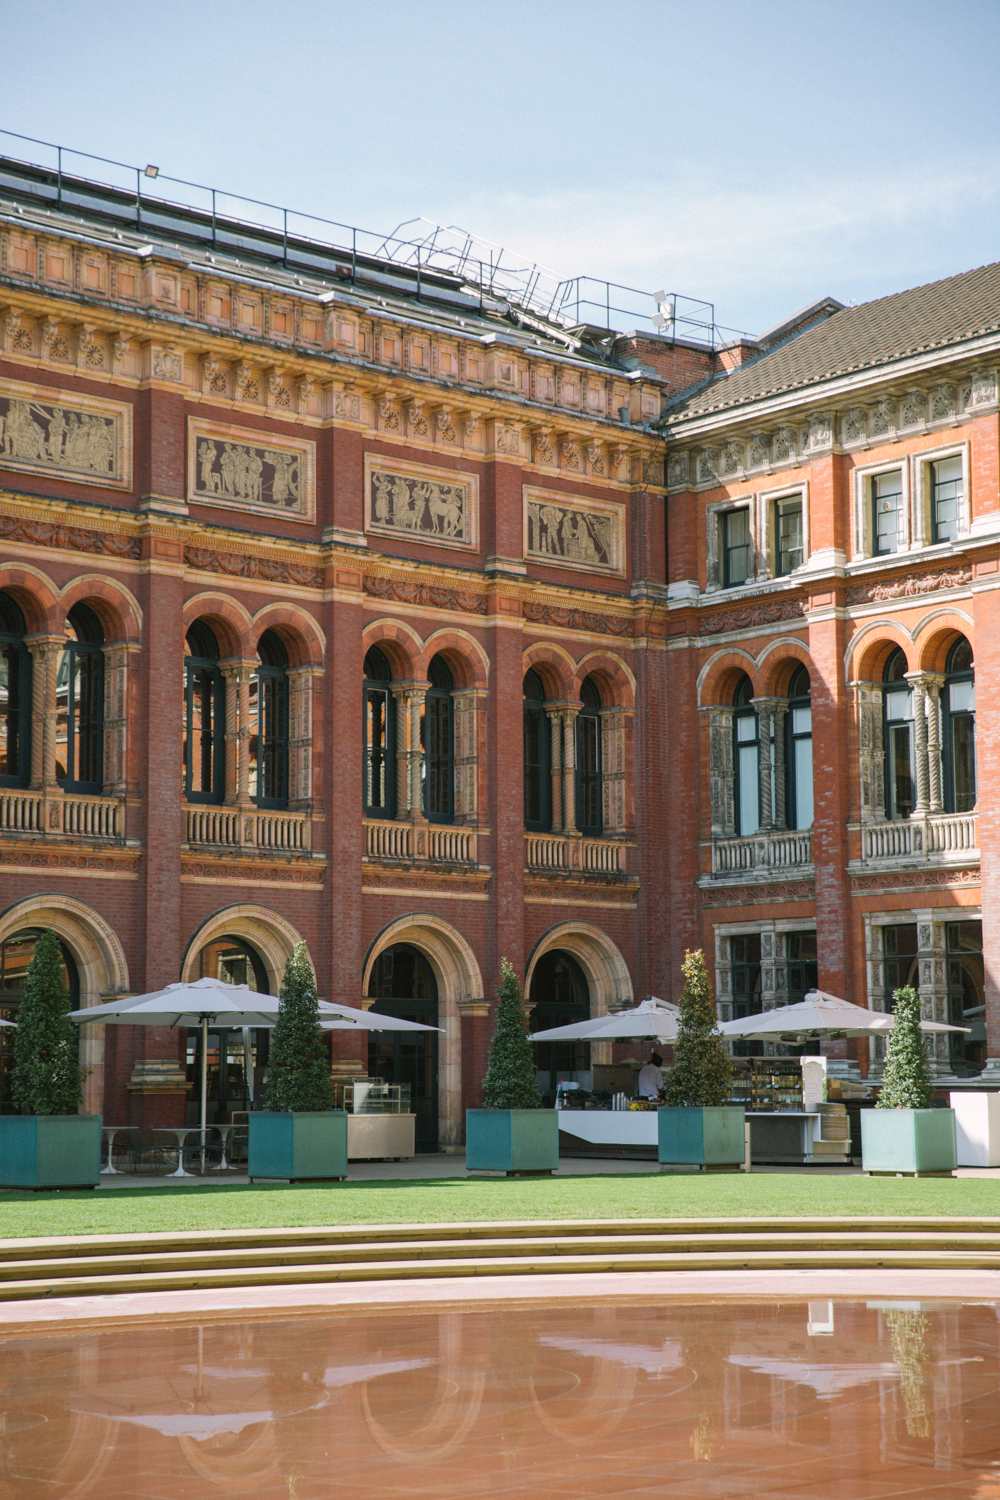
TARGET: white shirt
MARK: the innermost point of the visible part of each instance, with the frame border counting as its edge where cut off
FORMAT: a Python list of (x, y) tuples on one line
[(650, 1081)]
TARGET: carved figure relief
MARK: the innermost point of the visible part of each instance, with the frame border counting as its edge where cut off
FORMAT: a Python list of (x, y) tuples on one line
[(575, 534), (234, 467), (432, 505), (77, 437)]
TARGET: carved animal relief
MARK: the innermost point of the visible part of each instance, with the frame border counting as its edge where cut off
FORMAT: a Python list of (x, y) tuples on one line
[(77, 438), (573, 534), (429, 505), (232, 467)]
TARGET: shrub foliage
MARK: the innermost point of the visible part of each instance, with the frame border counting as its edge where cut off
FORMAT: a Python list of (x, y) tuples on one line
[(906, 1079), (701, 1076), (46, 1075), (299, 1064), (510, 1072)]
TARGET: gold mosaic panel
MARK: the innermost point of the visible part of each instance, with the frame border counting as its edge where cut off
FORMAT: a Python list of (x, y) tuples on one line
[(426, 505), (573, 533), (82, 438), (243, 469)]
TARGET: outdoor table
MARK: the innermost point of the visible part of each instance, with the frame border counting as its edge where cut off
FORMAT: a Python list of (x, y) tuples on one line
[(109, 1132), (224, 1131), (180, 1134)]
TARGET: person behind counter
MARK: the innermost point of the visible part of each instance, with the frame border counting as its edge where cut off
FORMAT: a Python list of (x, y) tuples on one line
[(651, 1077)]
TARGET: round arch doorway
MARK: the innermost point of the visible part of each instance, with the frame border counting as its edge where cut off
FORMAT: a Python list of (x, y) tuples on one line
[(559, 995), (237, 1056), (403, 984)]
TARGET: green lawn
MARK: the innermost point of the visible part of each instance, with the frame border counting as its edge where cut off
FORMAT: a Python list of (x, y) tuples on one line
[(442, 1200)]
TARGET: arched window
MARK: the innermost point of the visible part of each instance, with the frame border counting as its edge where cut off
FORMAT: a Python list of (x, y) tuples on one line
[(746, 755), (269, 724), (559, 995), (404, 985), (537, 757), (959, 738), (439, 743), (15, 696), (80, 704), (589, 761), (204, 717), (380, 737), (897, 705), (798, 753)]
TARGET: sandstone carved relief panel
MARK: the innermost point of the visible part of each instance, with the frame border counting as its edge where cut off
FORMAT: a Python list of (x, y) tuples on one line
[(246, 470), (574, 533), (58, 432), (428, 505)]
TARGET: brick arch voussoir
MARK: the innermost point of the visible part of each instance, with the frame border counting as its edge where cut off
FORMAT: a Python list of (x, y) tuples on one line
[(614, 678), (870, 649), (555, 667), (719, 676), (780, 665), (229, 619), (36, 596), (302, 637), (117, 609), (469, 663), (401, 644), (937, 633)]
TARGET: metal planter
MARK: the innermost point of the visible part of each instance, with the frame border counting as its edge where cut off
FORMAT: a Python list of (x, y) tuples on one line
[(511, 1140), (50, 1151), (301, 1146), (915, 1142), (710, 1138)]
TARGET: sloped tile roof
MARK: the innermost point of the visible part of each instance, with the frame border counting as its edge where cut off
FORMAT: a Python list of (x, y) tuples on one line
[(859, 338)]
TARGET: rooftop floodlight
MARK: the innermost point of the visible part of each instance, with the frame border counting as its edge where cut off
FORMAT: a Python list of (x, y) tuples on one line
[(149, 170)]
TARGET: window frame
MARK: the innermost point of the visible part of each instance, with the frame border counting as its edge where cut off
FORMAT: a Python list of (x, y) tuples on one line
[(726, 518), (84, 659), (865, 476), (925, 529), (379, 689), (949, 719), (714, 568), (439, 705), (589, 780), (198, 670), (744, 712), (772, 502), (536, 722), (273, 746), (890, 726), (14, 642), (792, 738)]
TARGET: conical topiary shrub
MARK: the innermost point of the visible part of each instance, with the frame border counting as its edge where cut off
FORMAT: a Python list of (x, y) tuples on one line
[(298, 1064), (46, 1075), (512, 1133), (510, 1072), (906, 1079), (702, 1074)]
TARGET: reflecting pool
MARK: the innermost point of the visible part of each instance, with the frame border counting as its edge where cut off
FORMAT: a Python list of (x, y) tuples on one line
[(845, 1399)]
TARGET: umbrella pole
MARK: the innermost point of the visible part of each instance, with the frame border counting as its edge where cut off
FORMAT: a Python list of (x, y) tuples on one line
[(204, 1087)]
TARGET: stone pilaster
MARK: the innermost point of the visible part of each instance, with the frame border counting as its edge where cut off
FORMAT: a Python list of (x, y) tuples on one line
[(780, 808), (721, 771), (933, 683), (116, 718), (300, 717), (765, 759), (932, 968), (871, 743), (614, 770), (468, 703), (918, 685), (231, 679)]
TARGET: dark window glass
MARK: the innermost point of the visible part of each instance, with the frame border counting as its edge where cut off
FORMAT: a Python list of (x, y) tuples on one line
[(744, 959), (897, 699), (798, 753), (746, 755), (887, 511), (537, 757), (15, 696), (589, 770), (899, 950), (737, 552), (380, 737), (559, 995), (439, 743), (801, 968), (966, 990), (946, 497), (269, 696), (788, 535), (80, 704), (204, 717), (405, 985), (959, 726)]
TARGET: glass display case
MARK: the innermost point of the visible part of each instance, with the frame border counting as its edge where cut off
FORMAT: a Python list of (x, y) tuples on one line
[(769, 1084), (370, 1096), (381, 1125)]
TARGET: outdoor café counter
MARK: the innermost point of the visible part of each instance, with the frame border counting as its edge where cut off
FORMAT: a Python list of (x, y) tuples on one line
[(608, 1129), (783, 1136), (776, 1136)]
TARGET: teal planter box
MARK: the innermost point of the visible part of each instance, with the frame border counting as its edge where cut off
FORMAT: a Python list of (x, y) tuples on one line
[(914, 1141), (701, 1137), (50, 1151), (511, 1140), (297, 1147)]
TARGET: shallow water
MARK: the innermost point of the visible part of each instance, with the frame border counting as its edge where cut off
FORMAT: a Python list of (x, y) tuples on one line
[(696, 1399)]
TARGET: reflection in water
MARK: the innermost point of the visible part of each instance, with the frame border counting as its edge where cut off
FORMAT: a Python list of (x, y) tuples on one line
[(690, 1400)]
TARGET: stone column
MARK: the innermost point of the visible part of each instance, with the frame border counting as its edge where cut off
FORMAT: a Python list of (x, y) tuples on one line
[(933, 683), (116, 719), (721, 772), (765, 760), (780, 809), (871, 741), (917, 683), (554, 718), (231, 733), (467, 712), (409, 698), (300, 715), (773, 984), (932, 968), (46, 652), (568, 718), (614, 779)]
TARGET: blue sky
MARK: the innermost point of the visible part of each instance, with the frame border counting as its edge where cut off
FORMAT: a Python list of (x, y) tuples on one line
[(757, 154)]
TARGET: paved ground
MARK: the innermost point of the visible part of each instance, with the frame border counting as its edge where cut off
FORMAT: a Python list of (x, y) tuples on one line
[(453, 1165)]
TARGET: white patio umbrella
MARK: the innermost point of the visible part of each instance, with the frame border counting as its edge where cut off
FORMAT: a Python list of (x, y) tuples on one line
[(820, 1015), (652, 1019), (352, 1018), (202, 1003)]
